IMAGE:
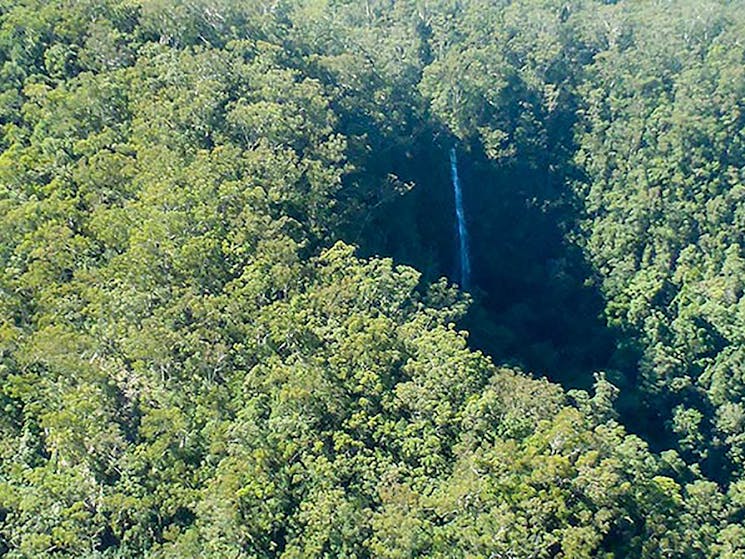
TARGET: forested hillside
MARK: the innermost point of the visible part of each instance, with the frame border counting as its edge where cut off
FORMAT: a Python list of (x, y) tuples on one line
[(231, 324)]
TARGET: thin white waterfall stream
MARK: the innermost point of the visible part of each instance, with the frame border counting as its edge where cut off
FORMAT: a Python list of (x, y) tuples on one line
[(463, 256)]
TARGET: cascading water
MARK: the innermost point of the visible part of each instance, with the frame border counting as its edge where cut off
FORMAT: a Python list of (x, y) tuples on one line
[(464, 259)]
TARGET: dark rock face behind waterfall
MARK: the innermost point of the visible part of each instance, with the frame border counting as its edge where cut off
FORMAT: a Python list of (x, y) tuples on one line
[(536, 304)]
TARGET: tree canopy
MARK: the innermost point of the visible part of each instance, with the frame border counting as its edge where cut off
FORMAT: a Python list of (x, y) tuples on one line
[(226, 323)]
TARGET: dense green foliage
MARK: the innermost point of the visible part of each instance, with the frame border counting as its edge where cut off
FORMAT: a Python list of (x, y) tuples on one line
[(224, 330)]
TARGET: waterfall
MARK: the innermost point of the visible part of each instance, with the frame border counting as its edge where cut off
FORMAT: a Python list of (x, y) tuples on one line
[(464, 259)]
